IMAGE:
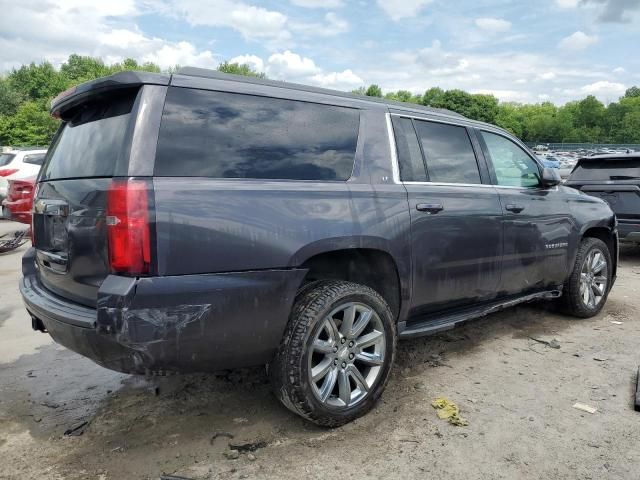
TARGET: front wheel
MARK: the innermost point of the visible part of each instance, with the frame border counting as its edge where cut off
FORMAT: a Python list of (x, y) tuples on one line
[(587, 288), (336, 354)]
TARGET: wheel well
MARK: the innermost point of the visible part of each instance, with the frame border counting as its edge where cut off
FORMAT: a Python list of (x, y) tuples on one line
[(373, 268), (605, 235)]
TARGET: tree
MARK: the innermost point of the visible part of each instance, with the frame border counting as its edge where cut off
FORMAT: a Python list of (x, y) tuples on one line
[(433, 97), (37, 82), (10, 98), (373, 91), (31, 125), (632, 92), (239, 69)]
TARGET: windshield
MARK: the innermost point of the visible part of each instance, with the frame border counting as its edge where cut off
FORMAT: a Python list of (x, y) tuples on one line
[(5, 158), (623, 169)]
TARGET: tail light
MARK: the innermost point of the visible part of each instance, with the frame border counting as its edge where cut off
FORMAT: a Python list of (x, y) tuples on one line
[(128, 227), (20, 190), (5, 172)]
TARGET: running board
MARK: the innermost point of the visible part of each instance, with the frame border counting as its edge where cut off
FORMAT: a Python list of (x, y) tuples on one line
[(430, 324)]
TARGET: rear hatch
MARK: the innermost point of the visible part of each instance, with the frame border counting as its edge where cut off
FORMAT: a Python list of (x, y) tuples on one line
[(70, 206), (615, 180)]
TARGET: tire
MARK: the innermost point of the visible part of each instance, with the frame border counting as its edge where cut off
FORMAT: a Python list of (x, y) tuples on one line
[(574, 299), (315, 331)]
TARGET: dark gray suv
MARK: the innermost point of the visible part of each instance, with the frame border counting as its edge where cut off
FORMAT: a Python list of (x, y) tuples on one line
[(202, 221)]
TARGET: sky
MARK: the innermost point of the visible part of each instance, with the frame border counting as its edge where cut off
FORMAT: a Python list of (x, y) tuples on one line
[(523, 51)]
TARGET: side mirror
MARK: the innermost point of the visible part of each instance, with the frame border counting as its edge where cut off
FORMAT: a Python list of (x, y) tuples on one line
[(551, 177)]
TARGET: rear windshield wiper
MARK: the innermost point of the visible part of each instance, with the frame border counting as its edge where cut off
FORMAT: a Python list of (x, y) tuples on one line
[(623, 177)]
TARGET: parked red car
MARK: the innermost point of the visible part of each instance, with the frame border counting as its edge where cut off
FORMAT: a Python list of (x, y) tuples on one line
[(19, 202)]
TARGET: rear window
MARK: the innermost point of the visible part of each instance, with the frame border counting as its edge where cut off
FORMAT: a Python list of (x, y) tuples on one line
[(91, 139), (228, 135), (5, 158), (624, 169)]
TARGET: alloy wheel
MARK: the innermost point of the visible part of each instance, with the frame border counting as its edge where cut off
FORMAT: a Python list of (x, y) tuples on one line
[(593, 278), (347, 355)]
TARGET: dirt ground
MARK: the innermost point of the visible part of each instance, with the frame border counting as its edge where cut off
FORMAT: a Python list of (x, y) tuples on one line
[(516, 393)]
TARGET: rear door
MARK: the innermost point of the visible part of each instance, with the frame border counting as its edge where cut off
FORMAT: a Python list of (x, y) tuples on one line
[(91, 147), (537, 221), (456, 229)]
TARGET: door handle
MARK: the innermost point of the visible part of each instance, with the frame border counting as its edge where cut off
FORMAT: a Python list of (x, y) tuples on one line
[(512, 207), (430, 208)]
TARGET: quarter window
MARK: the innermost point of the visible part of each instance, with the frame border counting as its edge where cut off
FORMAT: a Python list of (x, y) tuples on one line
[(512, 165), (227, 135), (448, 152)]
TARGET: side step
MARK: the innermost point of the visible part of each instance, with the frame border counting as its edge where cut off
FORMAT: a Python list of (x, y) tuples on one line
[(431, 324)]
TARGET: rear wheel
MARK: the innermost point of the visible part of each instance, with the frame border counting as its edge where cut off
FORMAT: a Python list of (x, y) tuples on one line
[(587, 288), (336, 354)]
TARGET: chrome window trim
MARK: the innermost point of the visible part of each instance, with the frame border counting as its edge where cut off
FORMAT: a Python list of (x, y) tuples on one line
[(395, 167), (430, 119), (445, 184)]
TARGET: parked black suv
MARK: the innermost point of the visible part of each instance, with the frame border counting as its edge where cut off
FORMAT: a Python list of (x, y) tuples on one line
[(616, 180), (202, 221)]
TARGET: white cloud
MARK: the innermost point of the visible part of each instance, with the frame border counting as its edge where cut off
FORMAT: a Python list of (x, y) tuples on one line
[(333, 25), (36, 31), (399, 9), (253, 61), (577, 41), (345, 80), (493, 25), (317, 3), (619, 70), (567, 3), (547, 76), (604, 88), (288, 65)]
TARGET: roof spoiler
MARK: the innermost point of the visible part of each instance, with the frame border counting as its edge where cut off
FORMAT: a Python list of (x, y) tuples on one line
[(77, 94)]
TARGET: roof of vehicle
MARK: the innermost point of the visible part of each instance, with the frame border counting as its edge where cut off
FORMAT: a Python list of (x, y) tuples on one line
[(216, 75), (612, 156)]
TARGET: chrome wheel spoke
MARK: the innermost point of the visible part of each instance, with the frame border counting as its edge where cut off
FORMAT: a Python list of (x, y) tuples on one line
[(361, 324), (585, 295), (347, 321), (361, 382), (370, 359), (597, 290), (320, 370), (344, 387), (323, 346), (328, 384), (369, 339)]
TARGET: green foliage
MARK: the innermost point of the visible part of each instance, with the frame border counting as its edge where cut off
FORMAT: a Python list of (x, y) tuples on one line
[(632, 92), (239, 69), (373, 91), (30, 125), (10, 98)]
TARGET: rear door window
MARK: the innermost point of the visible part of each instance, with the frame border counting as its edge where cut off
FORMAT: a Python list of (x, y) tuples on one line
[(409, 155), (227, 135), (91, 140), (448, 152), (623, 169)]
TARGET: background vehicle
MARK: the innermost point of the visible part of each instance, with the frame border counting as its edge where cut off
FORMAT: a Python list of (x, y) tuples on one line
[(19, 163), (615, 178), (225, 221), (19, 202)]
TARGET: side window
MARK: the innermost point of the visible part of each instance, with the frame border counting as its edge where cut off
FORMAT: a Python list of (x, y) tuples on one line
[(409, 154), (448, 152), (227, 135), (35, 159), (512, 165)]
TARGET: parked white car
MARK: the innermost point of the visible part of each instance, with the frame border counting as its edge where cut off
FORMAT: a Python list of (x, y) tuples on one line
[(16, 164)]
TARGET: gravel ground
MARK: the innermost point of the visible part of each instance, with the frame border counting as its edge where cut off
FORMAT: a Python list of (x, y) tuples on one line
[(516, 393)]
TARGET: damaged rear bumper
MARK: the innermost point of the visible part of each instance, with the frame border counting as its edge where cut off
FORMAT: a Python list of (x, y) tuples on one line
[(189, 323)]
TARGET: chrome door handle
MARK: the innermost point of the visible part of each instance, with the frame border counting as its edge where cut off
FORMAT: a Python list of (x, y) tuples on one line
[(512, 207), (429, 207)]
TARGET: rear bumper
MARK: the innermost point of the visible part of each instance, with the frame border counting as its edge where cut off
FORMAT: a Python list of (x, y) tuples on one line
[(190, 323), (629, 232)]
